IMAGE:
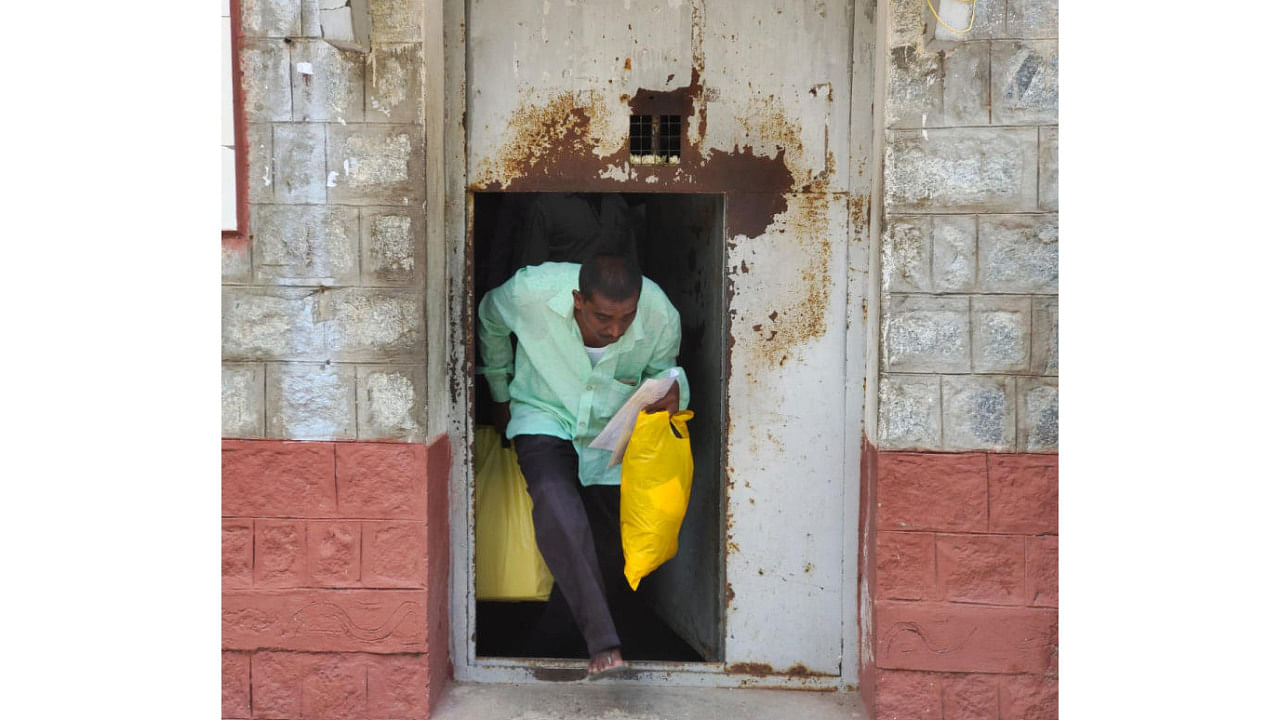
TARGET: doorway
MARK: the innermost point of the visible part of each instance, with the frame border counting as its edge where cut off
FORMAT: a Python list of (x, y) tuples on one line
[(677, 614)]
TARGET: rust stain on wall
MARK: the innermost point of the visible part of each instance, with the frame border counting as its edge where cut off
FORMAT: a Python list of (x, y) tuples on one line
[(859, 216), (579, 143), (751, 668), (784, 329), (551, 140), (759, 669)]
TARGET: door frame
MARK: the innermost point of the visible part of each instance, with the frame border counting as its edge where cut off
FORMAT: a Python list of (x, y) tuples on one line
[(449, 353)]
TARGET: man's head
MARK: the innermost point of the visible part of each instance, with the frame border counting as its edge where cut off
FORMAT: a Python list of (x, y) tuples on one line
[(606, 299)]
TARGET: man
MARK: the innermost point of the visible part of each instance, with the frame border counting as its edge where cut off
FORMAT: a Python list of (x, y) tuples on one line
[(586, 336)]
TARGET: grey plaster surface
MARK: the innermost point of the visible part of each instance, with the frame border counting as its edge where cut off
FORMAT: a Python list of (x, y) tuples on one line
[(925, 333), (1032, 18), (1044, 336), (265, 63), (1048, 168), (988, 21), (1025, 82), (390, 402), (271, 18), (1018, 253), (311, 401), (392, 241), (910, 412), (904, 263), (332, 89), (306, 244), (243, 400), (906, 23), (574, 701), (237, 267), (375, 164), (914, 87), (1001, 334), (977, 413), (395, 20), (258, 136), (966, 85), (299, 173), (393, 90), (1037, 414), (955, 253), (961, 169), (923, 253)]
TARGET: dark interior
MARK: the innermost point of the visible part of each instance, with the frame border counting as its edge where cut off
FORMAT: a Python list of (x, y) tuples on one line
[(677, 613)]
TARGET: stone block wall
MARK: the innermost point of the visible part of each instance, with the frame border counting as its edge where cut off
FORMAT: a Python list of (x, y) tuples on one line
[(335, 554), (323, 334), (960, 483), (335, 576), (969, 249)]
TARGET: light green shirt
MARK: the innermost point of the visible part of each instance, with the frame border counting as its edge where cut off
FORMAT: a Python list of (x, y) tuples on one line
[(555, 390)]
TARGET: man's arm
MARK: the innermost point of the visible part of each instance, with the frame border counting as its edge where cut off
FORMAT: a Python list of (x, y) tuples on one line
[(495, 316), (662, 362)]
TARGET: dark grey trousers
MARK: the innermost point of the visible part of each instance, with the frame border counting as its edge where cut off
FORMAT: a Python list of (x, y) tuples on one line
[(577, 532)]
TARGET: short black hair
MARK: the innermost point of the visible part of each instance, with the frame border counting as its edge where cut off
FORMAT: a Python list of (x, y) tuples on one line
[(614, 276)]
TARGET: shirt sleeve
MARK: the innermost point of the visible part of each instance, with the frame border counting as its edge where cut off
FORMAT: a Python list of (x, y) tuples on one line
[(496, 315), (664, 357)]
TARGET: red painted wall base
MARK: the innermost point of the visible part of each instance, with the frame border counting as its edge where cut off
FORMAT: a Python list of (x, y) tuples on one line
[(961, 564), (335, 576)]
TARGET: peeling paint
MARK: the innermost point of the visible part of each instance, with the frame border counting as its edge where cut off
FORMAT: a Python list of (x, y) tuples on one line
[(758, 669), (577, 141)]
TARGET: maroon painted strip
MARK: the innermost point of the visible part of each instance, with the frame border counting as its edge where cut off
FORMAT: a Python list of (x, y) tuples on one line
[(238, 237)]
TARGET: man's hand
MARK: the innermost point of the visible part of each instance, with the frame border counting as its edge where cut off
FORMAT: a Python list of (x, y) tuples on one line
[(669, 402), (502, 416)]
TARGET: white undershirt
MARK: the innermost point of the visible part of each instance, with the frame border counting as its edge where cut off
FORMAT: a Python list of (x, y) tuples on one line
[(595, 354)]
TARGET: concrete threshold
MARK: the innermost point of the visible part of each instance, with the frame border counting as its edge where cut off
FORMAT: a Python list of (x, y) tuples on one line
[(617, 701)]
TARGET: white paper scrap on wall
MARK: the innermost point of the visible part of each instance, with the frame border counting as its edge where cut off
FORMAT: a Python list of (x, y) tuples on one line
[(304, 68)]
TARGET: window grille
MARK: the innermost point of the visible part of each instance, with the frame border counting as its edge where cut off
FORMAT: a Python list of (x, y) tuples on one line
[(667, 128)]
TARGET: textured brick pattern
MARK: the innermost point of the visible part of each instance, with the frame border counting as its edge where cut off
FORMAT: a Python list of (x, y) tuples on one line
[(335, 578), (906, 695), (962, 578), (235, 685), (969, 248), (326, 301)]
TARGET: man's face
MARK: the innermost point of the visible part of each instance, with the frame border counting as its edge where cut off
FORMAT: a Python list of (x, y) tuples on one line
[(601, 320)]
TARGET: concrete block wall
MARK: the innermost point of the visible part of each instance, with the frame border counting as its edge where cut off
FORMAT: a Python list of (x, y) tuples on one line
[(324, 335), (969, 263)]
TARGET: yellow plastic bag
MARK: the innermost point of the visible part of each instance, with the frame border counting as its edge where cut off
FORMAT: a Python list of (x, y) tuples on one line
[(657, 475), (508, 564)]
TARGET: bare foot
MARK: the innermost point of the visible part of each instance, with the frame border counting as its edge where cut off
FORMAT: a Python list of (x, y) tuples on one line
[(606, 662)]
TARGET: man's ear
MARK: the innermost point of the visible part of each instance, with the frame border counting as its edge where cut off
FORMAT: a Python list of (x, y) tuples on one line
[(577, 300)]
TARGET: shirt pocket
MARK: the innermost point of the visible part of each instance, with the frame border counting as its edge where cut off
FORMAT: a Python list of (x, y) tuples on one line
[(609, 396)]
